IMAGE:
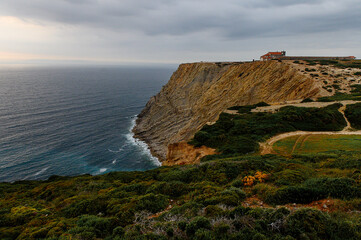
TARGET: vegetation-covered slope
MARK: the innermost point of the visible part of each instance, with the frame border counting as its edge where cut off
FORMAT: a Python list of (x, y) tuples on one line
[(240, 133), (209, 201)]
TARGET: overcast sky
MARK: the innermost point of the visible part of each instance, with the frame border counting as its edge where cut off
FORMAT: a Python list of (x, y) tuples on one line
[(175, 31)]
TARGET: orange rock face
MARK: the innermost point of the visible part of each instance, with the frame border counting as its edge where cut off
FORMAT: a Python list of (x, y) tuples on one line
[(182, 153)]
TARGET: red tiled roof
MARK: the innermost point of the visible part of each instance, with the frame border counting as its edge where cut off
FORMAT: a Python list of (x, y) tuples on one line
[(275, 53), (271, 53)]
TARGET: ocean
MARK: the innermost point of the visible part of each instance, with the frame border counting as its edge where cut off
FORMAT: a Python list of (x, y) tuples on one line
[(73, 120)]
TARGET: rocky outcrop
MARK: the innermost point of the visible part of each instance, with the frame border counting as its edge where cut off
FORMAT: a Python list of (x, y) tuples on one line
[(198, 92), (182, 153)]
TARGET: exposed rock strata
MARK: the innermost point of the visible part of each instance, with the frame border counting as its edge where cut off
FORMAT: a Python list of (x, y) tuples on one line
[(198, 92)]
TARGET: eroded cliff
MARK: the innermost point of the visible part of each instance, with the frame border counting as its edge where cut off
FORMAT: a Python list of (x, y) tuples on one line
[(198, 92)]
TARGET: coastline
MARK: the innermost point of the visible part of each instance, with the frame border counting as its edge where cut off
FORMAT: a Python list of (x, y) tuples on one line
[(141, 144)]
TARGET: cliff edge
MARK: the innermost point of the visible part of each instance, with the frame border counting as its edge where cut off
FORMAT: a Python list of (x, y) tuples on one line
[(198, 92)]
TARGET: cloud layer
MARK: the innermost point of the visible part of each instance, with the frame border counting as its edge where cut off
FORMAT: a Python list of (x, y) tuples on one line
[(174, 31)]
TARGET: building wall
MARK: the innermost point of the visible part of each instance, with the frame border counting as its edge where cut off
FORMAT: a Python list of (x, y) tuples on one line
[(314, 58)]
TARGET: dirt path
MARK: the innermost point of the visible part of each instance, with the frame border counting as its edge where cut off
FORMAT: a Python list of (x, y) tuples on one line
[(267, 147), (274, 108), (342, 111)]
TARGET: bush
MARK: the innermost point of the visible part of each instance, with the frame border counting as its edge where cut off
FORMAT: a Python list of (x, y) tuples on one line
[(118, 231), (88, 206), (264, 191), (213, 211), (248, 108), (232, 197), (294, 194), (289, 177), (353, 114), (310, 222), (172, 188), (306, 100), (152, 202), (89, 226), (203, 234), (196, 224), (333, 187), (221, 229)]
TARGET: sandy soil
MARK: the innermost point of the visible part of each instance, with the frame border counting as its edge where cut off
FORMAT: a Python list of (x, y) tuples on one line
[(275, 108)]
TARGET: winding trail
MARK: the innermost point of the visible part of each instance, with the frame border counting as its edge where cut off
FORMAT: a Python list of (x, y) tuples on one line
[(267, 146)]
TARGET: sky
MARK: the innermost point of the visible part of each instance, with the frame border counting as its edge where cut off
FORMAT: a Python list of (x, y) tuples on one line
[(175, 31)]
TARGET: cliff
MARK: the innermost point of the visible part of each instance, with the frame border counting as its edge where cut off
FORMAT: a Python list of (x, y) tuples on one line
[(198, 92)]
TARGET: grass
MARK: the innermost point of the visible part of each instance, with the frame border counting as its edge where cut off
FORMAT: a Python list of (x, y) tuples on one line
[(317, 143)]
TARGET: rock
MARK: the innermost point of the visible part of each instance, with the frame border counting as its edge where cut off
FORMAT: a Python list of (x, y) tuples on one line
[(183, 153)]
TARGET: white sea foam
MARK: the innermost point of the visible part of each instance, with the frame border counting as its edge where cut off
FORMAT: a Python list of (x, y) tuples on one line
[(117, 151), (114, 161), (102, 170), (142, 145), (41, 171)]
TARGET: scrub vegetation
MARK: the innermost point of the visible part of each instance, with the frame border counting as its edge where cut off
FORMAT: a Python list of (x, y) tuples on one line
[(208, 201), (240, 133), (355, 95)]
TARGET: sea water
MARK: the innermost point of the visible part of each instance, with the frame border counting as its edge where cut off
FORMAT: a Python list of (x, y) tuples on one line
[(73, 120)]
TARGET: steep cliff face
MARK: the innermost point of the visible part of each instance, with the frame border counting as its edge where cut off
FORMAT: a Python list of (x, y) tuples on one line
[(197, 93)]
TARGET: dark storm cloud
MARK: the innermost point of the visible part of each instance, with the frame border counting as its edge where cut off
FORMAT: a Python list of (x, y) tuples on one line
[(231, 19)]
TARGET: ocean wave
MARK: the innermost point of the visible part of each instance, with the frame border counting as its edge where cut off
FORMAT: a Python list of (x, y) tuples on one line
[(139, 143), (117, 151), (41, 171)]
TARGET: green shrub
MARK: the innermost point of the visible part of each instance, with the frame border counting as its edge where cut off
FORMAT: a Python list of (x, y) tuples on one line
[(295, 194), (152, 202), (188, 209), (309, 222), (172, 188), (88, 206), (213, 211), (203, 234), (289, 177), (306, 100), (248, 108), (333, 187), (237, 183), (182, 225), (279, 215), (196, 224), (138, 188), (259, 236), (353, 114), (118, 231), (232, 197), (221, 228), (264, 191), (89, 226)]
